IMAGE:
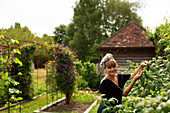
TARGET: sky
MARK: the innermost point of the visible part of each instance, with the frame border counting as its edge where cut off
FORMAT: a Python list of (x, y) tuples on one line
[(42, 16)]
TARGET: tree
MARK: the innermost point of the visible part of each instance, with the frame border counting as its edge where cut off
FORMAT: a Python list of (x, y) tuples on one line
[(118, 13), (70, 30), (18, 33), (60, 33), (23, 33), (87, 19), (48, 39), (17, 25), (160, 39), (94, 54), (96, 20)]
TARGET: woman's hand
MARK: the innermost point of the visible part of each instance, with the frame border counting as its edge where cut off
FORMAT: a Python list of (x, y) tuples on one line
[(145, 63), (128, 89), (138, 76)]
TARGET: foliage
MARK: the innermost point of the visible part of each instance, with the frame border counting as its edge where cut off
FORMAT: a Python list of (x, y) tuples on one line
[(87, 20), (60, 33), (26, 53), (32, 105), (110, 102), (160, 39), (94, 54), (71, 29), (83, 96), (63, 66), (151, 93), (88, 72), (82, 83), (149, 104), (155, 78), (94, 21), (17, 32), (118, 13), (7, 93)]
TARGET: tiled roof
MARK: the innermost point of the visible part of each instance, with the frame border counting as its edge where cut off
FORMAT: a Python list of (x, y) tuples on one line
[(131, 35)]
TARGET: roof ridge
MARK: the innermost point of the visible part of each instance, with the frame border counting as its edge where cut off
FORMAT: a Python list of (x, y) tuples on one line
[(123, 28), (131, 22)]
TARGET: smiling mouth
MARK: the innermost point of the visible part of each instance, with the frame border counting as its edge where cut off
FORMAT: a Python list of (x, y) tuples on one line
[(112, 72)]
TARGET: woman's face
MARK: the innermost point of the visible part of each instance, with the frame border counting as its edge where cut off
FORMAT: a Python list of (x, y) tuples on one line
[(111, 71)]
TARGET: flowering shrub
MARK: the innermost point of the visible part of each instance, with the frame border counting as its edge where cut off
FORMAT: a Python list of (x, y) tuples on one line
[(65, 73)]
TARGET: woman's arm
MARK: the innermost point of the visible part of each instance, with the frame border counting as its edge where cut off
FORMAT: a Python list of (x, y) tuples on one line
[(128, 89), (145, 63)]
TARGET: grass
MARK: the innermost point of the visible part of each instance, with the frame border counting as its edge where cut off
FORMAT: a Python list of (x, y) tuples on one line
[(39, 85), (30, 106), (84, 98), (40, 101), (39, 81), (94, 108), (88, 98)]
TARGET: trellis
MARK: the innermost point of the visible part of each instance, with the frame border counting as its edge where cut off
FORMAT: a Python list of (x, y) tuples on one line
[(10, 45)]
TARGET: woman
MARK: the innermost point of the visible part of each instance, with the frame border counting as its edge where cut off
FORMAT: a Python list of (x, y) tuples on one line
[(112, 84)]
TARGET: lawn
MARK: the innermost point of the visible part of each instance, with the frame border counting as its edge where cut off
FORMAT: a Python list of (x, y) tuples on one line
[(94, 108), (79, 97), (39, 84)]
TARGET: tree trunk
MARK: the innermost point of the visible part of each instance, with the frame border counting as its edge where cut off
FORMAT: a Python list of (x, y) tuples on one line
[(68, 97)]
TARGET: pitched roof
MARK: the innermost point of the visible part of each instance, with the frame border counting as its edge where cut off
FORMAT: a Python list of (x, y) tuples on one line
[(131, 35)]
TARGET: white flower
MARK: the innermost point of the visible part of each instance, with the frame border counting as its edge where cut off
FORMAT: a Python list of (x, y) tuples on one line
[(13, 40)]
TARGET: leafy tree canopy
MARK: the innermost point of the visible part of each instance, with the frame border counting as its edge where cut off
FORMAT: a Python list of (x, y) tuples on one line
[(96, 20), (23, 33), (60, 33), (118, 13), (161, 39)]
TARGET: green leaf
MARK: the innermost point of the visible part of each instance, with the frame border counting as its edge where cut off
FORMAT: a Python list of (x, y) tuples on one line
[(19, 73), (4, 76), (168, 67), (17, 51), (152, 92), (19, 98), (168, 103), (16, 41), (2, 36), (6, 105)]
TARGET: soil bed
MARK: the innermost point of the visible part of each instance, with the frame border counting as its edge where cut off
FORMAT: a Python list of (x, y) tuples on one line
[(73, 106)]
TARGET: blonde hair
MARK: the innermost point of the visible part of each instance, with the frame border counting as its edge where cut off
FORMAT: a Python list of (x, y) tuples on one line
[(110, 63)]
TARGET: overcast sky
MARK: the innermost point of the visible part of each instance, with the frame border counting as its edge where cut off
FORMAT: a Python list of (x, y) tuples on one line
[(42, 16)]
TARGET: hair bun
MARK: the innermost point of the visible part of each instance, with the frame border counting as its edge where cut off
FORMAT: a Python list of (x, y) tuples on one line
[(106, 58)]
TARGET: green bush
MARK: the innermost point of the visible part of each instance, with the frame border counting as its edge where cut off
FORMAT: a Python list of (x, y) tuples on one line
[(81, 82), (26, 77), (155, 78), (88, 72)]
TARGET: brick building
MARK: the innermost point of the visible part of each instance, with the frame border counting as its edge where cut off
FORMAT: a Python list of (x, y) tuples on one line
[(128, 43)]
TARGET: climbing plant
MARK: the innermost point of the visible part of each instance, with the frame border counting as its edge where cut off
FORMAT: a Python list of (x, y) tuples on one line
[(25, 55), (7, 93), (63, 66)]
